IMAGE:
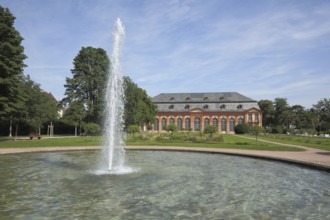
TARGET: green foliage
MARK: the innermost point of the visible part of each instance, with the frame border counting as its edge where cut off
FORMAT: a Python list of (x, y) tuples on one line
[(88, 83), (133, 129), (139, 108), (242, 129), (268, 112), (91, 129), (256, 130), (171, 128), (149, 127), (210, 129), (12, 96)]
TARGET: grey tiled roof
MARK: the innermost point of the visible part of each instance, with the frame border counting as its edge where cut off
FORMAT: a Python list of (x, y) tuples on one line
[(202, 97), (207, 102)]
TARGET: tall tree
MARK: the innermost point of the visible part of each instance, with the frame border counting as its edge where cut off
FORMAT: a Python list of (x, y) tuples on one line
[(139, 108), (281, 114), (12, 58), (268, 112), (88, 83), (322, 109), (41, 106)]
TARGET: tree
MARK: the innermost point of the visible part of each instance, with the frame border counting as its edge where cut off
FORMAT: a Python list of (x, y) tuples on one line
[(256, 130), (74, 115), (281, 106), (322, 109), (210, 129), (171, 128), (12, 96), (139, 108), (41, 106), (88, 84), (268, 112), (133, 129)]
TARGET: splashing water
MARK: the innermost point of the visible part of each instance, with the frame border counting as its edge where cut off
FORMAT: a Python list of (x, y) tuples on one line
[(113, 152)]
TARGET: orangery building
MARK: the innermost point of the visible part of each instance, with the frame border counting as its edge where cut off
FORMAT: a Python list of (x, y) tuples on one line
[(195, 111)]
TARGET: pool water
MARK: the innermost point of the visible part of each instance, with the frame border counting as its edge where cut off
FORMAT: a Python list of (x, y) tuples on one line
[(163, 185)]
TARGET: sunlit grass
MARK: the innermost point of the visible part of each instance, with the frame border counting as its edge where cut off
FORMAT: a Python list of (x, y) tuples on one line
[(148, 139)]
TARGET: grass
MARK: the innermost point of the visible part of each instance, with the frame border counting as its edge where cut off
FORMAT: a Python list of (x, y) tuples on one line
[(163, 139), (52, 142), (312, 142)]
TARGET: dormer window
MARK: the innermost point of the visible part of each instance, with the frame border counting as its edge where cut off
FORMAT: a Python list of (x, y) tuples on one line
[(221, 98), (172, 98), (171, 107), (188, 98), (239, 106), (205, 98), (222, 106), (187, 107), (205, 107)]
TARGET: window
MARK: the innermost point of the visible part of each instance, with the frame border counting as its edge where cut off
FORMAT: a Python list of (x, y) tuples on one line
[(206, 122), (221, 98), (188, 98), (163, 123), (223, 106), (223, 124), (187, 107), (197, 124), (205, 98), (171, 107), (171, 121), (256, 117), (250, 117), (215, 122), (179, 124), (239, 106), (172, 98), (187, 124), (232, 124), (156, 124), (205, 107)]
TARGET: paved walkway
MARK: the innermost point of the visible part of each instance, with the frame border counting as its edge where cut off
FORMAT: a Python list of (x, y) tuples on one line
[(309, 157)]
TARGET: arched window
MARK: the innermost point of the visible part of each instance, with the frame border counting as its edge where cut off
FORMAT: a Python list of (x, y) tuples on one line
[(163, 123), (187, 124), (171, 121), (197, 124), (215, 122), (240, 121), (156, 124), (232, 124), (223, 124), (179, 122), (206, 122)]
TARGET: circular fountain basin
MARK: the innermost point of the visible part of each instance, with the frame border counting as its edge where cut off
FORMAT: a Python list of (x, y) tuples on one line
[(162, 185)]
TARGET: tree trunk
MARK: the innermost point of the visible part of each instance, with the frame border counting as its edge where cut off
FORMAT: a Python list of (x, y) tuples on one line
[(16, 131), (75, 130), (10, 126)]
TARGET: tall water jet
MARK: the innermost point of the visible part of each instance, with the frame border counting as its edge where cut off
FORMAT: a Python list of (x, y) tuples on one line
[(113, 150)]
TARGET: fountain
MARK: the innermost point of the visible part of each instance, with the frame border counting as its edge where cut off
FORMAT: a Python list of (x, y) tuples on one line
[(113, 153), (169, 185)]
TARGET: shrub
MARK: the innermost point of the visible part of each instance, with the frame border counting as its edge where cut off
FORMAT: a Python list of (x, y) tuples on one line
[(92, 129), (242, 129)]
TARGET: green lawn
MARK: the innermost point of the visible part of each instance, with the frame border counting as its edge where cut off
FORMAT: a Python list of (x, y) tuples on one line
[(52, 142), (195, 140), (313, 142)]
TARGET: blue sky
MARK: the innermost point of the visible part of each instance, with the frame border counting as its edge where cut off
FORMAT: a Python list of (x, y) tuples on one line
[(262, 49)]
